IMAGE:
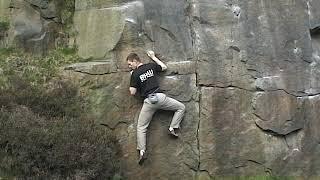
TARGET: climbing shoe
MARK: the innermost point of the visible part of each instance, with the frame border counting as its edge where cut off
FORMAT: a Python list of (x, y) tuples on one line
[(172, 133), (142, 158)]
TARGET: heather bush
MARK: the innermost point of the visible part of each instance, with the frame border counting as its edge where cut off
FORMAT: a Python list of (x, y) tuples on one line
[(62, 147), (44, 133), (61, 100)]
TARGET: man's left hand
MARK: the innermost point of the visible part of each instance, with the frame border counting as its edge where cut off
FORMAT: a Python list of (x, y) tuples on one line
[(150, 54)]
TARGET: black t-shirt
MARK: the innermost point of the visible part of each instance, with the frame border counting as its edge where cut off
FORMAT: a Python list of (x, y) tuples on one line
[(145, 79)]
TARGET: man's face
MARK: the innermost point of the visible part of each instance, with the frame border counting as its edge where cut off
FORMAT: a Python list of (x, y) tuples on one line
[(132, 64)]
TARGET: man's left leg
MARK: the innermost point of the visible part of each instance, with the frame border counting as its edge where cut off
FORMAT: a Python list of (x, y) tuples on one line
[(144, 119)]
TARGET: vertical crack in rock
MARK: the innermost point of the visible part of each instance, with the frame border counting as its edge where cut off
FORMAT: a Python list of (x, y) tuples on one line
[(190, 20), (309, 11), (198, 130), (286, 141), (234, 36), (191, 13), (231, 70)]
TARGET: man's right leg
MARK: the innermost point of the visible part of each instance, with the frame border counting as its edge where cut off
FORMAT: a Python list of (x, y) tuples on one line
[(178, 107)]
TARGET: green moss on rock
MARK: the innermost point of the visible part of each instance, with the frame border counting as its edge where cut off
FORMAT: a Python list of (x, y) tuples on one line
[(4, 26)]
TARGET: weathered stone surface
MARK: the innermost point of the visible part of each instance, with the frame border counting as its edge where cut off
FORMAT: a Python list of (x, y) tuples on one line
[(43, 4), (151, 26), (167, 25), (304, 146), (97, 4), (27, 26), (135, 25), (132, 39), (30, 26), (313, 12), (108, 96), (96, 39), (278, 112), (312, 134), (167, 158), (112, 106), (118, 35), (50, 11), (104, 91), (229, 49), (220, 48), (230, 142), (181, 67), (255, 63), (93, 68), (269, 50), (4, 9), (315, 65), (183, 87), (29, 30), (310, 143)]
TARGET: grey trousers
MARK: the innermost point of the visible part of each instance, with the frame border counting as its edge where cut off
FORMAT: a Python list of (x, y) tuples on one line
[(147, 111)]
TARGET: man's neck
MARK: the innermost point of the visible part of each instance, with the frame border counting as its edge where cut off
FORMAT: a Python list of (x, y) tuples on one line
[(140, 64)]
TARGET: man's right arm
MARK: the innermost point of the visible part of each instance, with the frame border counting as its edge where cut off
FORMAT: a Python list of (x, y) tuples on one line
[(155, 59), (133, 85)]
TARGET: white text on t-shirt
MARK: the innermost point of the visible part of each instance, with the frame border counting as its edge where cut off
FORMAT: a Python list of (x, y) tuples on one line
[(146, 75)]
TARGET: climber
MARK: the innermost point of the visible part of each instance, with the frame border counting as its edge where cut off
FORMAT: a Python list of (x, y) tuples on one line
[(144, 79)]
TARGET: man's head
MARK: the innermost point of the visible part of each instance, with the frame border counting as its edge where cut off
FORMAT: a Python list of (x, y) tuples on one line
[(133, 60)]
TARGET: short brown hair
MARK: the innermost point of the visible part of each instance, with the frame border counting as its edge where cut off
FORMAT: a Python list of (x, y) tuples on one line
[(133, 56)]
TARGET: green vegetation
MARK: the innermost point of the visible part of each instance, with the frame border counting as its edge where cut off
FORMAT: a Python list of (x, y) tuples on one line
[(6, 51), (66, 11), (35, 70), (254, 178), (68, 51), (34, 146), (44, 133), (4, 26), (264, 178)]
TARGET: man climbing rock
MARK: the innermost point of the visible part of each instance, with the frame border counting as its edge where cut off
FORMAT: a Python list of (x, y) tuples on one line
[(144, 79)]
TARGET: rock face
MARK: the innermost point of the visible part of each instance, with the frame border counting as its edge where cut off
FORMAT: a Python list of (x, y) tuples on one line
[(247, 71), (36, 26)]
